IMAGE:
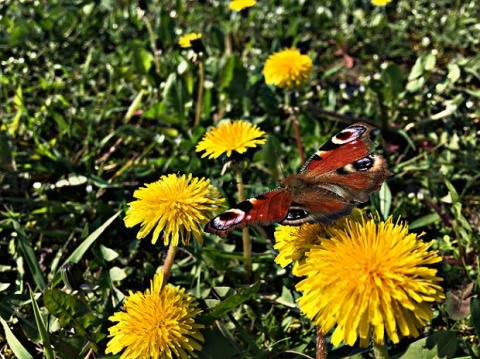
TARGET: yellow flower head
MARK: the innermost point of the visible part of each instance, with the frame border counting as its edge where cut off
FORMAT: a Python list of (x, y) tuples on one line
[(186, 40), (368, 279), (287, 68), (380, 2), (156, 324), (178, 205), (230, 136), (239, 5), (292, 242)]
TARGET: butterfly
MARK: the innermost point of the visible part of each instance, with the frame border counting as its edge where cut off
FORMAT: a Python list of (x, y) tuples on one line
[(344, 170)]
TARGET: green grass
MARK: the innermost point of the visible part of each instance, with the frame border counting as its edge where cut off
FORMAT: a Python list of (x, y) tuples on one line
[(90, 112)]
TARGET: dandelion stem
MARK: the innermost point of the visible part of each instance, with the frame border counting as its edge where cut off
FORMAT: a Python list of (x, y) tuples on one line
[(321, 345), (167, 266), (201, 80), (247, 242), (296, 128), (380, 351)]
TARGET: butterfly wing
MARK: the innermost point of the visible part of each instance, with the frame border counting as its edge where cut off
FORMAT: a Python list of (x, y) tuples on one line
[(346, 166), (260, 210), (316, 205), (342, 171)]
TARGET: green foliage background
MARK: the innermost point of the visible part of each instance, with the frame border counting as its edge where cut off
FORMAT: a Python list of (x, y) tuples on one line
[(97, 99)]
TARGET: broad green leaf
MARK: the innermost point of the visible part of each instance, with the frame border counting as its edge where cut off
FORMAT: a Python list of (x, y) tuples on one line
[(14, 344), (393, 79), (166, 29), (232, 302), (72, 312), (424, 221), (174, 95), (72, 180), (440, 345), (117, 274), (108, 253), (142, 59), (85, 245), (64, 306), (417, 69), (457, 305), (429, 62), (227, 72), (475, 311), (453, 72), (42, 329), (217, 345)]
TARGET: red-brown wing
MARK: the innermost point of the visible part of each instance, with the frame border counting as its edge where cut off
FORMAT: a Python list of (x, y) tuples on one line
[(347, 146), (357, 180), (346, 166), (261, 210), (315, 204)]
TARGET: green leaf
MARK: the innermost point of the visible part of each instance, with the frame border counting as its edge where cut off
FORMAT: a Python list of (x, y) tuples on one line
[(437, 346), (166, 29), (385, 200), (232, 302), (14, 344), (424, 221), (475, 311), (453, 72), (108, 253), (392, 77), (429, 62), (417, 69), (134, 106), (64, 306), (227, 73), (117, 274), (173, 94), (42, 329), (457, 305), (85, 245), (71, 311), (142, 59), (453, 192), (29, 255), (217, 345)]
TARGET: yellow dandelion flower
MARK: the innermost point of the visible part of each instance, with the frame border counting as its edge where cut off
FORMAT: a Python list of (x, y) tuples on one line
[(178, 205), (186, 40), (369, 279), (158, 323), (292, 242), (287, 68), (239, 5), (230, 136), (380, 2)]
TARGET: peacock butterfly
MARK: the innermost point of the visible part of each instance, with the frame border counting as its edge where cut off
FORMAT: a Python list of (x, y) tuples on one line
[(342, 171)]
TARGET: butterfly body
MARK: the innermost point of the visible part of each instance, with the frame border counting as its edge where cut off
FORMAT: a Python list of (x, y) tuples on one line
[(344, 170)]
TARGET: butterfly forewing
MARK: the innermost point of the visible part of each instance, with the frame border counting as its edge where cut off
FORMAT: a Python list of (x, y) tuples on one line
[(261, 210), (346, 147)]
